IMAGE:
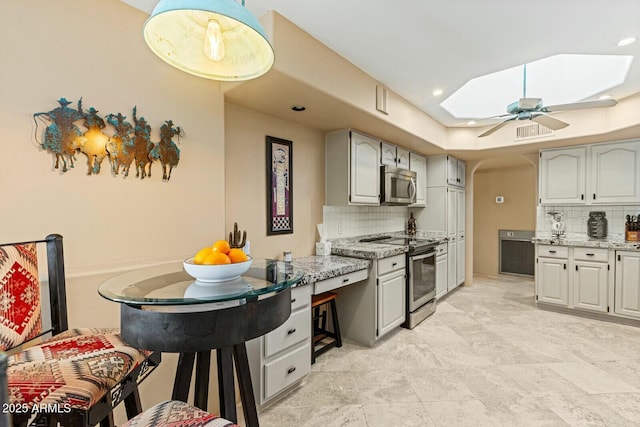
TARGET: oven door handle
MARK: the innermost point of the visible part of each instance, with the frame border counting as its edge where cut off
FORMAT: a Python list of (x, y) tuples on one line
[(422, 256)]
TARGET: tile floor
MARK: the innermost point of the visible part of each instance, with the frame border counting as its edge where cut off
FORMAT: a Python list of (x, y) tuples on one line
[(487, 357)]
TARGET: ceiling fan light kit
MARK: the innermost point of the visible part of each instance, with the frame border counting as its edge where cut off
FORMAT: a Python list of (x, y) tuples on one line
[(214, 39)]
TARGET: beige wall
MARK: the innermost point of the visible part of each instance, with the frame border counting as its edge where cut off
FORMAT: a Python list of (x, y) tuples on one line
[(518, 212), (245, 133), (95, 50)]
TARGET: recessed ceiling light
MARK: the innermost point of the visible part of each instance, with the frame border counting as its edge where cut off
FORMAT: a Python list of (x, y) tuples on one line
[(298, 107), (471, 122), (627, 41), (604, 97), (437, 92)]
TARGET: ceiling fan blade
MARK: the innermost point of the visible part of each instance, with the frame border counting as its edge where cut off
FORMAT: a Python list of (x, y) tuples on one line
[(496, 127), (549, 122), (581, 105)]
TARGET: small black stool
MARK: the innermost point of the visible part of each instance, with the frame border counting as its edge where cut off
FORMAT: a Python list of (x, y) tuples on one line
[(319, 323)]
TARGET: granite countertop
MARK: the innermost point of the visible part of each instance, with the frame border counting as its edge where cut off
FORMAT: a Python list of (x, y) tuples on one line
[(325, 267), (353, 247), (613, 242)]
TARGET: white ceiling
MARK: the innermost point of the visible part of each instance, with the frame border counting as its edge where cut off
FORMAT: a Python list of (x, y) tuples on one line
[(416, 46)]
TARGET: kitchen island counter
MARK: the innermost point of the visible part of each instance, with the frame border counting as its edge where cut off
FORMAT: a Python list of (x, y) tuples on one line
[(583, 241)]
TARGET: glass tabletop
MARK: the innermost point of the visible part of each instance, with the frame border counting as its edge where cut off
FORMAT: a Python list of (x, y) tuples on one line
[(169, 284)]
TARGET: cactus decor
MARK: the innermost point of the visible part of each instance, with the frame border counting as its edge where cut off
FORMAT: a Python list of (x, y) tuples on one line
[(234, 237)]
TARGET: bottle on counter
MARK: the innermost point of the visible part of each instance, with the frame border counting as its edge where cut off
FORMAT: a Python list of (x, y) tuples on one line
[(412, 225)]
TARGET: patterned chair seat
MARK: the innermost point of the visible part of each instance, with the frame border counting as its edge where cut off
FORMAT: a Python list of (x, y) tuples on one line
[(173, 413), (74, 369)]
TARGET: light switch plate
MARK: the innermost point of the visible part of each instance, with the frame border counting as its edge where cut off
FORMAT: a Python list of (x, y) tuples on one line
[(499, 199)]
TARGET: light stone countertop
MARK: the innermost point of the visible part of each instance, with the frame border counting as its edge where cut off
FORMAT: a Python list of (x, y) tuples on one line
[(352, 247), (325, 267), (613, 242)]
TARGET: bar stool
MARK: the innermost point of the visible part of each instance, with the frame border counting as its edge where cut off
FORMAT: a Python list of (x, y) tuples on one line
[(320, 305)]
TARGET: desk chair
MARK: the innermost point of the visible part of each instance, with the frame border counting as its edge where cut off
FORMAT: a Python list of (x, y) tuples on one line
[(77, 375)]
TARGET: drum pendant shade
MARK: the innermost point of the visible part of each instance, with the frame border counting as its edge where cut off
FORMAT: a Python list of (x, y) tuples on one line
[(189, 33)]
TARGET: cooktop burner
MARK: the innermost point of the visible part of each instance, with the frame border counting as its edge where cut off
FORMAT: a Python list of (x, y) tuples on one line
[(412, 242)]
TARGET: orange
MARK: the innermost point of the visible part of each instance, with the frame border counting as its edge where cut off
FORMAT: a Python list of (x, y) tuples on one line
[(202, 253), (237, 255), (221, 246), (216, 258)]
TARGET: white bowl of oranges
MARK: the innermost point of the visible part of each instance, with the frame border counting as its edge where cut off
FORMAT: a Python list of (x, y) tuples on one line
[(217, 263)]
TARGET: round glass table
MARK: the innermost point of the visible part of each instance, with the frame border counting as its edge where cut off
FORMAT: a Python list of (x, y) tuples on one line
[(164, 309)]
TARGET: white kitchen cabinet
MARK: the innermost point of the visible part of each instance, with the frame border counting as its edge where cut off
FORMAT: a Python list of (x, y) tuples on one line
[(615, 173), (445, 170), (371, 308), (591, 285), (280, 359), (552, 275), (392, 155), (391, 301), (418, 164), (441, 270), (627, 284), (563, 176), (352, 168), (445, 212)]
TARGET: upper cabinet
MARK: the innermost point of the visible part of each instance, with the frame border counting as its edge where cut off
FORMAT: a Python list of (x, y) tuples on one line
[(418, 164), (392, 155), (445, 170), (562, 176), (352, 168), (615, 173), (597, 174)]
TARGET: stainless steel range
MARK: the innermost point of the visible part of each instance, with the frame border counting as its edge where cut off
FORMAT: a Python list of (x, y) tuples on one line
[(421, 276)]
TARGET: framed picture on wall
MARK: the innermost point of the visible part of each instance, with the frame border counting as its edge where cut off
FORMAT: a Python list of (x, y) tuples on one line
[(279, 186)]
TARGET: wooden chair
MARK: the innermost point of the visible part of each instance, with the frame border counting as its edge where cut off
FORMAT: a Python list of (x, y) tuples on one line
[(319, 313), (74, 377)]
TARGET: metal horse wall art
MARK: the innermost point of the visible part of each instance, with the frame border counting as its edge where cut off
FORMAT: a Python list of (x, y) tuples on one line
[(127, 144)]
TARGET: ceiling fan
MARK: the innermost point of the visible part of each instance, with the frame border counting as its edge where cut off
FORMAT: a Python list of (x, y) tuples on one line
[(533, 109)]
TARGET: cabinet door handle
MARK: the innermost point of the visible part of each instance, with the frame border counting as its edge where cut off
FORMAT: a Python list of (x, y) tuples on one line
[(345, 280), (565, 266), (291, 331), (594, 196), (582, 197), (290, 370), (293, 300)]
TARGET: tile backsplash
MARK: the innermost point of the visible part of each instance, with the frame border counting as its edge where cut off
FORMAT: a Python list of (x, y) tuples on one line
[(575, 218), (350, 221)]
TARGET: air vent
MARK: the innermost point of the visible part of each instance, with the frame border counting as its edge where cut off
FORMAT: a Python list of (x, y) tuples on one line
[(535, 130)]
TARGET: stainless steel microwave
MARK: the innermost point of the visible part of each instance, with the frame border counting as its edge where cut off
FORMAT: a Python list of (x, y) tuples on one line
[(397, 186)]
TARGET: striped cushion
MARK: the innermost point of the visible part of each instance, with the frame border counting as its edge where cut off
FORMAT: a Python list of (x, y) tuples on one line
[(173, 413), (73, 369)]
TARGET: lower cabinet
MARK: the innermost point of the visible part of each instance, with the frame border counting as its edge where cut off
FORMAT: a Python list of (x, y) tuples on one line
[(580, 278), (441, 270), (371, 308), (281, 358), (627, 295)]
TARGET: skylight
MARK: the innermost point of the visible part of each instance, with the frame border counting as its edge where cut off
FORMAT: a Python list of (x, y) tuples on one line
[(557, 79)]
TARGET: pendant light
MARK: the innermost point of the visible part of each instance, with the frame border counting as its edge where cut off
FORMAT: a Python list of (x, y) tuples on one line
[(214, 39)]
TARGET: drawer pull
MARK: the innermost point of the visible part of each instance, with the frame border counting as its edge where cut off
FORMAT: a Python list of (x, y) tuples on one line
[(345, 280), (291, 331), (590, 254), (290, 370), (394, 264), (293, 300), (552, 252)]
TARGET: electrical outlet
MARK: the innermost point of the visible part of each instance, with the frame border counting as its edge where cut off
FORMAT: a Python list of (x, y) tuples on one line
[(339, 229), (510, 234)]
